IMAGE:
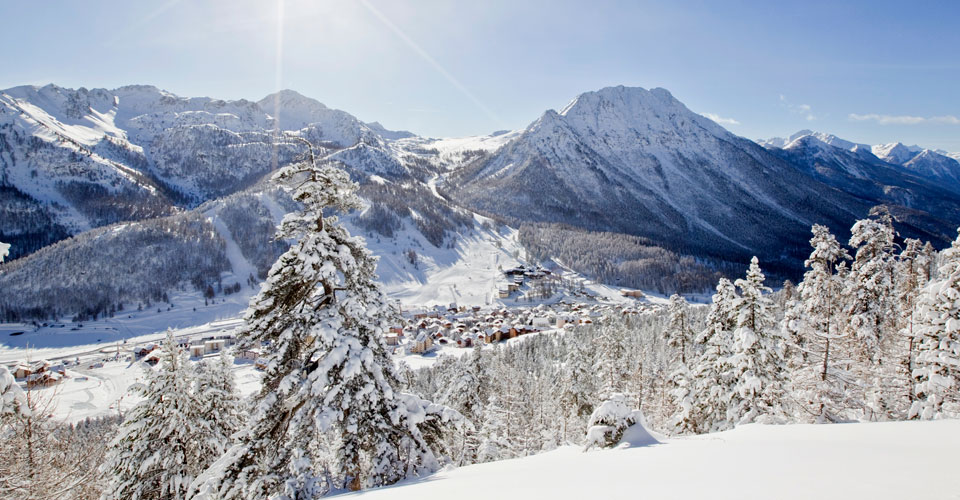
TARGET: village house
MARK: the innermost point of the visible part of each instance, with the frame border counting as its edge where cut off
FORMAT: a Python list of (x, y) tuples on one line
[(422, 343)]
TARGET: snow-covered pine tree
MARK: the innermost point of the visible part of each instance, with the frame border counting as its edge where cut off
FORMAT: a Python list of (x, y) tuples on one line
[(756, 363), (872, 311), (156, 454), (710, 388), (218, 405), (937, 365), (466, 390), (679, 331), (611, 364), (912, 275), (467, 393), (329, 378), (680, 336), (495, 438), (577, 397), (822, 380)]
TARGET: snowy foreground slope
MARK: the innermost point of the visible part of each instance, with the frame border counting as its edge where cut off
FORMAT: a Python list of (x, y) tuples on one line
[(902, 460)]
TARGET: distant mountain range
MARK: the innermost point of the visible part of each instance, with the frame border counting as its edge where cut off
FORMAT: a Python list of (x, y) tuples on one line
[(639, 162), (618, 160)]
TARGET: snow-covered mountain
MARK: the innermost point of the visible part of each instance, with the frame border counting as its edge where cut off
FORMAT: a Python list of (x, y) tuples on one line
[(936, 166), (72, 160), (637, 161), (626, 161), (779, 142)]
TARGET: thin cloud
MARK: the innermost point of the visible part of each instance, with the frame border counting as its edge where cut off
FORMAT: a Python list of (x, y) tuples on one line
[(800, 109), (904, 119), (721, 120)]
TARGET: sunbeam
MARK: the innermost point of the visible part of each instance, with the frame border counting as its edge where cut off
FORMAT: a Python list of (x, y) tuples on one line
[(433, 62), (277, 81)]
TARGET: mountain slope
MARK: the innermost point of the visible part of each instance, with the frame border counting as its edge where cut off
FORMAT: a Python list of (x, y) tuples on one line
[(751, 462), (72, 160), (639, 162)]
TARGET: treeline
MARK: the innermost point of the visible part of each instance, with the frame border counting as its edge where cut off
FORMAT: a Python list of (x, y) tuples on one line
[(872, 336), (94, 272), (27, 224), (436, 219), (253, 227), (623, 260)]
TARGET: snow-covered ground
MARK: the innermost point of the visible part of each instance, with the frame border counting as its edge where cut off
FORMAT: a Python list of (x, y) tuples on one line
[(97, 392), (66, 338), (897, 460)]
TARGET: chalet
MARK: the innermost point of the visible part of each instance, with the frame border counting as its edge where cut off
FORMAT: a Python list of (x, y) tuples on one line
[(541, 322), (44, 379), (503, 293), (637, 294), (21, 370), (260, 364), (215, 345), (515, 271), (419, 314), (422, 344), (143, 351), (566, 319), (392, 338), (249, 354), (468, 340), (153, 358), (197, 350)]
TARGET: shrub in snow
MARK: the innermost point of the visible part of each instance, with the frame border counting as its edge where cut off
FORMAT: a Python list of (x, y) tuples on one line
[(609, 422), (4, 250), (13, 401)]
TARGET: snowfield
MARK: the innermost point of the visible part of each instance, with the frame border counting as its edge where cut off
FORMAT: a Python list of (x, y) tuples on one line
[(897, 460)]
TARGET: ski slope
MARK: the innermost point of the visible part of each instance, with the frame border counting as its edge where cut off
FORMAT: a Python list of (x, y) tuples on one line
[(896, 460)]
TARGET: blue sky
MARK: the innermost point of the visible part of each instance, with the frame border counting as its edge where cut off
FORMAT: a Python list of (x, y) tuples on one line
[(868, 71)]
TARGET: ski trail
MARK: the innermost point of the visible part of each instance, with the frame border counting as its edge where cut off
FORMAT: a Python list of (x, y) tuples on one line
[(238, 263)]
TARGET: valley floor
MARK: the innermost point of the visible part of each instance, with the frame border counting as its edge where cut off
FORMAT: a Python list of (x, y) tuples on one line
[(897, 460)]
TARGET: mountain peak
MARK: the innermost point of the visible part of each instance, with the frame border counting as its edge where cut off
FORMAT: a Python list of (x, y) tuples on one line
[(619, 95), (895, 152)]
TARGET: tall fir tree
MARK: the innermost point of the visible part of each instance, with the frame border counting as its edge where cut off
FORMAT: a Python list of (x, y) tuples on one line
[(871, 309), (157, 451), (577, 397), (913, 274), (218, 404), (329, 380), (937, 365), (711, 387), (756, 364), (822, 380), (679, 331), (610, 361)]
